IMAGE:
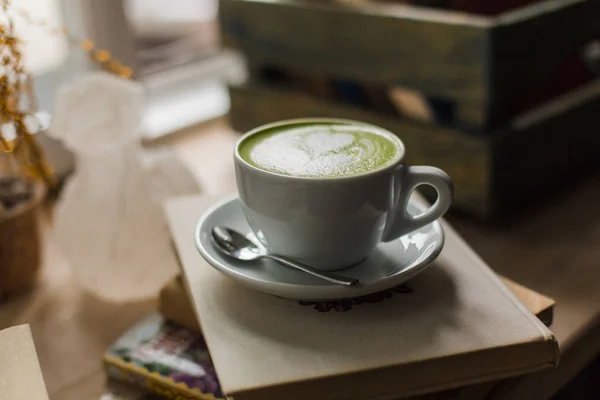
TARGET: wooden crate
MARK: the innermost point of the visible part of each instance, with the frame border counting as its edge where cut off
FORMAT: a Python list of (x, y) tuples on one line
[(490, 68), (494, 175)]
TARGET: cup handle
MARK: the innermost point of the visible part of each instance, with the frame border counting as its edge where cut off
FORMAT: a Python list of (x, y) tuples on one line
[(401, 221)]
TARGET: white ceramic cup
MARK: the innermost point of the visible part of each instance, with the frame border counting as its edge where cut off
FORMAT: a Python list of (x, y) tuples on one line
[(334, 222)]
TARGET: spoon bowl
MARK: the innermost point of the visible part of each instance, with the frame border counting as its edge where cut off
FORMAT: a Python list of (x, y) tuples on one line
[(236, 245)]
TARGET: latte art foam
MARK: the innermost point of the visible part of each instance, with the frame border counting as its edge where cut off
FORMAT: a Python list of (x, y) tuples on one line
[(324, 150)]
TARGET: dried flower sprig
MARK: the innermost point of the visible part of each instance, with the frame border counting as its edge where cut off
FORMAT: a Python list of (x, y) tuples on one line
[(16, 104), (18, 124), (102, 56)]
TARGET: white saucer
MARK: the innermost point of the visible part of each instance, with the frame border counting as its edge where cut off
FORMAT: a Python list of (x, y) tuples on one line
[(390, 264)]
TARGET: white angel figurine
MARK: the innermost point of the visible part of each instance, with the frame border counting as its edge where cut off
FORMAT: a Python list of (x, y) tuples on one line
[(108, 222)]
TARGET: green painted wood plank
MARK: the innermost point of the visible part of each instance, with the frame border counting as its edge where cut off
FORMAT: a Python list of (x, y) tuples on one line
[(530, 47), (547, 149), (438, 53), (482, 64), (527, 161)]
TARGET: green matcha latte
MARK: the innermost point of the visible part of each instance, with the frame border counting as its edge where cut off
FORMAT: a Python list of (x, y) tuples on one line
[(320, 150)]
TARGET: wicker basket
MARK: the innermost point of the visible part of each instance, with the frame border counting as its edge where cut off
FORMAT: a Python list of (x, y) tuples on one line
[(21, 243)]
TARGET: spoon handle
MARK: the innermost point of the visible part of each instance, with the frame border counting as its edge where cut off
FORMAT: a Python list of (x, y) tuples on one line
[(330, 277)]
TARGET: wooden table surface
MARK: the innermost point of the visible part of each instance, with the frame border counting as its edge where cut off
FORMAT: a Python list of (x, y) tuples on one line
[(554, 250)]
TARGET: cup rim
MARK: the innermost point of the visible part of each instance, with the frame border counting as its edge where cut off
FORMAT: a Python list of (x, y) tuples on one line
[(385, 132)]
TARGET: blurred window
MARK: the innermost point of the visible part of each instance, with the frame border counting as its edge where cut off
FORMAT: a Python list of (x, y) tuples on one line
[(42, 52)]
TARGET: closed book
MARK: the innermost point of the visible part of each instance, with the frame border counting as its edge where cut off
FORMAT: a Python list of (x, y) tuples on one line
[(458, 325), (20, 373), (126, 392), (175, 304), (539, 304), (164, 358)]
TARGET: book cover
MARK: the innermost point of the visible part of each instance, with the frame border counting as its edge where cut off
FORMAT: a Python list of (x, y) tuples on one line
[(120, 396), (165, 358), (457, 324), (20, 373), (129, 394)]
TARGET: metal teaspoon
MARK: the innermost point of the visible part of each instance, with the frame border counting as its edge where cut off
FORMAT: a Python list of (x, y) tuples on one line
[(236, 245)]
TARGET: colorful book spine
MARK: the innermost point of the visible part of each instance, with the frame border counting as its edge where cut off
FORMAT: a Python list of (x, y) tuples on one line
[(166, 359)]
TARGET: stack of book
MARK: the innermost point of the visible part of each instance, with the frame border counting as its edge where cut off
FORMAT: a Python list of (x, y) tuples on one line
[(456, 325), (146, 356)]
